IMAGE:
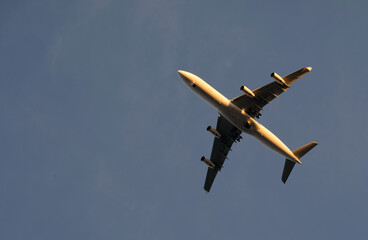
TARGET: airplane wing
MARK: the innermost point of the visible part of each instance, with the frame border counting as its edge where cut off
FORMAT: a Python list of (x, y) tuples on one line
[(267, 93), (221, 147)]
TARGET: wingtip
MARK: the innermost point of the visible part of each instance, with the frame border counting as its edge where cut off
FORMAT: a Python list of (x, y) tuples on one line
[(309, 69)]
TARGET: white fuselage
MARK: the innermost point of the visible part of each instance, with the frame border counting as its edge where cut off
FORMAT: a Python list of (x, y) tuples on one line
[(238, 117)]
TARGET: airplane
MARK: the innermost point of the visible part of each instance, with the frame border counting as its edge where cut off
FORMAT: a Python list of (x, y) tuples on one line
[(238, 115)]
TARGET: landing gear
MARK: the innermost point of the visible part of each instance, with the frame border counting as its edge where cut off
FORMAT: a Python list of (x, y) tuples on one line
[(253, 112), (247, 125)]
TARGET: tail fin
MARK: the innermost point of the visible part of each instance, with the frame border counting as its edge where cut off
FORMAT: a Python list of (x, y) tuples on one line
[(300, 152)]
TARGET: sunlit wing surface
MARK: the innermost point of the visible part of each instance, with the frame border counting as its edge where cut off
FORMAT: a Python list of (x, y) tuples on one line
[(221, 147), (264, 95)]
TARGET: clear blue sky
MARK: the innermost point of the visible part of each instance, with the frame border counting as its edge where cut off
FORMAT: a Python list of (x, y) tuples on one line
[(100, 139)]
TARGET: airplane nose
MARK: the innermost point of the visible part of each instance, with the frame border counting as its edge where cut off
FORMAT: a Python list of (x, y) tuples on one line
[(185, 76), (182, 75), (188, 78)]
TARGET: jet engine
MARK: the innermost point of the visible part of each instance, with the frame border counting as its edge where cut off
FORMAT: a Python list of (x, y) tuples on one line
[(208, 162), (213, 131), (247, 91), (278, 79)]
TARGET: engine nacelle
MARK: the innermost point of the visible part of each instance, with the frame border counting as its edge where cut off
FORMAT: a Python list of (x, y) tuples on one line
[(214, 131), (247, 91), (208, 162), (278, 79)]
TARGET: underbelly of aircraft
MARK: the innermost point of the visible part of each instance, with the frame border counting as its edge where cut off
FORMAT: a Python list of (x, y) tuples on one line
[(247, 124)]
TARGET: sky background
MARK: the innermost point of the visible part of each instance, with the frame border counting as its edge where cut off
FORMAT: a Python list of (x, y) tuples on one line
[(100, 139)]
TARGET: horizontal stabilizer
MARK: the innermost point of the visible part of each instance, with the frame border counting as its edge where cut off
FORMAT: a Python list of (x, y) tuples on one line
[(300, 152), (288, 167)]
